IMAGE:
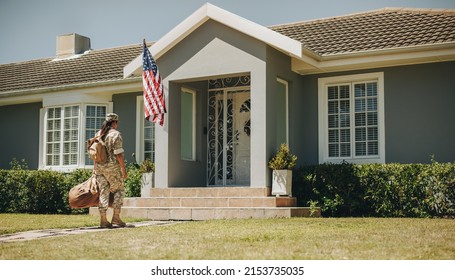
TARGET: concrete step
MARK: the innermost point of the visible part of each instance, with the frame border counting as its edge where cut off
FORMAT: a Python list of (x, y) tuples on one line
[(210, 192), (206, 203), (210, 202), (211, 213)]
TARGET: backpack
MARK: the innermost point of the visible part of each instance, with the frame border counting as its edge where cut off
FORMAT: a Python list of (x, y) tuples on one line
[(97, 150)]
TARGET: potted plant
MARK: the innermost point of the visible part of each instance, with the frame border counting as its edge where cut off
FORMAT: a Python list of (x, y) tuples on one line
[(282, 164), (147, 168)]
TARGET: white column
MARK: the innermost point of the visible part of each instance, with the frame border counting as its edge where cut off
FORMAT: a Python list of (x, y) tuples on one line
[(258, 167)]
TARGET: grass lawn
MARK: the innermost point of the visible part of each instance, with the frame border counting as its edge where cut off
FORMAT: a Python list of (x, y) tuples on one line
[(249, 239)]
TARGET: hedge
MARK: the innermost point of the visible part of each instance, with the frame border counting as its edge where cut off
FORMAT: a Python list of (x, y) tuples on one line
[(378, 190), (46, 192), (340, 190)]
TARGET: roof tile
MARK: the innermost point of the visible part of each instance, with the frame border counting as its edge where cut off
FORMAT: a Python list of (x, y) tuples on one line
[(94, 66), (376, 30)]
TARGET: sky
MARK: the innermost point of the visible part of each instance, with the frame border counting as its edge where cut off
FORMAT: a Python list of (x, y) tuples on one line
[(28, 28)]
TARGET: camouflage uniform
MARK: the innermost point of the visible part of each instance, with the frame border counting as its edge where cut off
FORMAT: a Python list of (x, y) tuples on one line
[(109, 175)]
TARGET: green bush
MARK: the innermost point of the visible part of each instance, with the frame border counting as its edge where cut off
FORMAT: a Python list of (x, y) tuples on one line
[(334, 187), (133, 182), (381, 190), (46, 192)]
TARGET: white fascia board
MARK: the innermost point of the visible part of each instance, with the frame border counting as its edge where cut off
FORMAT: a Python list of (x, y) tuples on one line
[(209, 11), (104, 88), (374, 59), (285, 44)]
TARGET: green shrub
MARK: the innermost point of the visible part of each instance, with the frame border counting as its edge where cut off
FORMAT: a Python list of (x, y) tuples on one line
[(438, 181), (133, 182), (335, 188), (382, 190), (46, 192)]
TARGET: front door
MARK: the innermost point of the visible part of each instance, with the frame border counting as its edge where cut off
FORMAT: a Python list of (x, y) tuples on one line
[(229, 137)]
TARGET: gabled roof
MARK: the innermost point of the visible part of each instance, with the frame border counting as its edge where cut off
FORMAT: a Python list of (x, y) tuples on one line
[(382, 29), (95, 66), (211, 12)]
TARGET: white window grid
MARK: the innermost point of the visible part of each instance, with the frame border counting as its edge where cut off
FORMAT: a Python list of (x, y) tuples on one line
[(352, 120), (62, 135), (145, 134), (94, 118)]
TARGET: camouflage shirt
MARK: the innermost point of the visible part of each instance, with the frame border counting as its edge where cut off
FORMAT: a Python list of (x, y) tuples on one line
[(111, 169)]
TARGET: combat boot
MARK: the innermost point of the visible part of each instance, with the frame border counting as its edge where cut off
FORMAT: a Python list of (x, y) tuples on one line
[(116, 219), (104, 223)]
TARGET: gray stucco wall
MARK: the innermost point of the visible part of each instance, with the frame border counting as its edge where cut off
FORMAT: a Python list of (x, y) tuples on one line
[(188, 173), (20, 134), (279, 66), (125, 107), (419, 112)]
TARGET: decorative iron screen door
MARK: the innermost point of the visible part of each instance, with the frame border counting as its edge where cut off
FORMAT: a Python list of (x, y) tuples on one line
[(229, 137)]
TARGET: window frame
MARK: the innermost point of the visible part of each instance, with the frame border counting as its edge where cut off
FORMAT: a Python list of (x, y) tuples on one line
[(323, 129), (61, 140), (81, 142), (286, 86), (84, 111), (193, 125), (140, 132)]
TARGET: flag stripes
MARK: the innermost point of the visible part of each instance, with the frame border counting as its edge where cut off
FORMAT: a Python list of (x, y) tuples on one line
[(154, 105)]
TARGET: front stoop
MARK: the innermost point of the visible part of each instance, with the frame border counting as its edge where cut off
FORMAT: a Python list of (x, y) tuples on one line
[(212, 203)]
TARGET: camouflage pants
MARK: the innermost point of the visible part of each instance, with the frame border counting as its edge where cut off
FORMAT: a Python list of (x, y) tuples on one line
[(105, 191)]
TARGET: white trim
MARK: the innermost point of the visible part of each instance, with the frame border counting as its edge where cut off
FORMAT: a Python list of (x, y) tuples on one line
[(322, 116), (42, 142), (90, 92), (81, 136), (140, 129), (313, 63), (208, 11)]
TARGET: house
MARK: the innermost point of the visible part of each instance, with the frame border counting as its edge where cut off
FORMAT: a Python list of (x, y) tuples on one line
[(376, 86)]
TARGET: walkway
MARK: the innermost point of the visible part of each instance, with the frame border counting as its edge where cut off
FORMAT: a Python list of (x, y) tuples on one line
[(46, 233)]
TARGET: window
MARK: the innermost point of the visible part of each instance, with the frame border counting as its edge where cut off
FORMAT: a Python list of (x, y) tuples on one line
[(188, 124), (66, 132), (145, 143), (281, 106), (149, 140), (351, 118), (95, 116), (62, 136)]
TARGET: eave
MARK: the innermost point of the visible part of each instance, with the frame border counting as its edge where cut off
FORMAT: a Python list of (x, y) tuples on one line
[(312, 63), (99, 87)]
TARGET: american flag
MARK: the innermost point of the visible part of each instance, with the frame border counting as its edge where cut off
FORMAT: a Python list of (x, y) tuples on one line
[(154, 107)]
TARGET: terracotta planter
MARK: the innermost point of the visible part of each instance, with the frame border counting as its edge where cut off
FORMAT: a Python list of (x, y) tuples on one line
[(147, 184), (282, 182)]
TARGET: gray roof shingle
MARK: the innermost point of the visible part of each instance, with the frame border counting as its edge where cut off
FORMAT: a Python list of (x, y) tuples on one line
[(375, 30), (94, 66)]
